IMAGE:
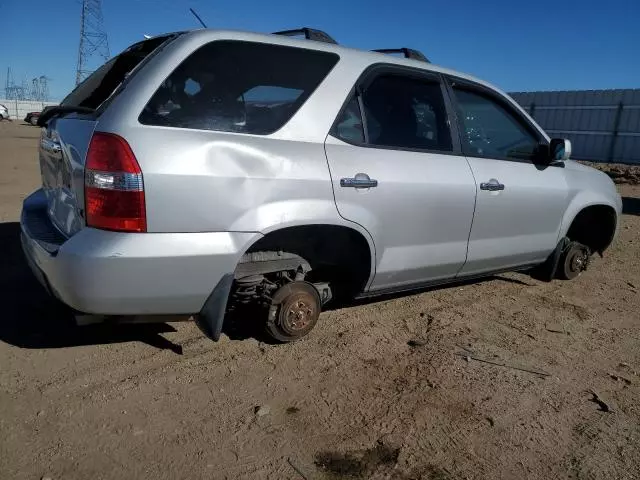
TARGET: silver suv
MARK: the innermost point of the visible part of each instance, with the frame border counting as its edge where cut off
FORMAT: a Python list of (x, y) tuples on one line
[(200, 171)]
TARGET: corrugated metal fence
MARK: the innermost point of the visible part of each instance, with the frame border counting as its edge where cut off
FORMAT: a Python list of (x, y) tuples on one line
[(18, 109), (603, 125)]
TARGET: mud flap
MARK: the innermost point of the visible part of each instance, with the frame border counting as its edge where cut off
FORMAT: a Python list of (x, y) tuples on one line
[(211, 317), (547, 271), (555, 256)]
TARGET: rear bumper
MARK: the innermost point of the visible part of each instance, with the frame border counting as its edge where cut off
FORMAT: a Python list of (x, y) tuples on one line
[(113, 273)]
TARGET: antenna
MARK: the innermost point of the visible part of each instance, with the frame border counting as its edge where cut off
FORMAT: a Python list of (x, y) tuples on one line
[(198, 17), (93, 38)]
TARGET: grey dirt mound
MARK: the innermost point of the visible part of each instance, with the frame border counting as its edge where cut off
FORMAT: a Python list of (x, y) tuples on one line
[(620, 174)]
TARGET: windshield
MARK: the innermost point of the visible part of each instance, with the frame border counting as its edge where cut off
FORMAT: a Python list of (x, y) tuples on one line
[(99, 86)]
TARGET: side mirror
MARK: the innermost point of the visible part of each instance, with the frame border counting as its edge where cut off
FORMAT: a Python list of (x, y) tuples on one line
[(559, 149)]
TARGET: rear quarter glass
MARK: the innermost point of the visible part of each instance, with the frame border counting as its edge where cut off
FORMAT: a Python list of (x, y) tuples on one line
[(238, 86)]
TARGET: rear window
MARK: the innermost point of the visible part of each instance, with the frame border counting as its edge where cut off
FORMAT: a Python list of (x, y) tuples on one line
[(99, 86), (234, 86)]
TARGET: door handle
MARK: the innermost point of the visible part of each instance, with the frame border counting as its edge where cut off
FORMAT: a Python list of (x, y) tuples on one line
[(361, 180), (492, 185)]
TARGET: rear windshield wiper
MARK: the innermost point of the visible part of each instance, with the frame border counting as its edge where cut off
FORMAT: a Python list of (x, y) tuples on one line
[(54, 110)]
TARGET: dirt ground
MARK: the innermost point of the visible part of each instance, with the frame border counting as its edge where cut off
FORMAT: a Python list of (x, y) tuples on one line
[(489, 380)]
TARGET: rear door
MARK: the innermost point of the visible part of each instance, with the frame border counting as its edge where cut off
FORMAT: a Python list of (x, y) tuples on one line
[(397, 171), (65, 139), (521, 199)]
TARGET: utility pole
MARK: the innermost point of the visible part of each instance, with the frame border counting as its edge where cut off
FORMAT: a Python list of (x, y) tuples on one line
[(93, 39)]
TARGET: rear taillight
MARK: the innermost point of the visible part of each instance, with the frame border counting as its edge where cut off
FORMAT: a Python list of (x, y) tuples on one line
[(113, 188)]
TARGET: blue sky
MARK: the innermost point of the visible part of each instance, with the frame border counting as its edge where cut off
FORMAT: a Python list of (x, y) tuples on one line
[(536, 45)]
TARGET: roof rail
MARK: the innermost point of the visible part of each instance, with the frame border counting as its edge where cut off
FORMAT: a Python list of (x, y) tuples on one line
[(309, 34), (407, 52)]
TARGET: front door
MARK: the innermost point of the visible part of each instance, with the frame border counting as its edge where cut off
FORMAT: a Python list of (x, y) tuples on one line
[(521, 200), (397, 171)]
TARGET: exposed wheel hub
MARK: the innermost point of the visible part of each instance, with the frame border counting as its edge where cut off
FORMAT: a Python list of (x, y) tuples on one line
[(294, 311), (578, 260), (574, 261), (298, 315)]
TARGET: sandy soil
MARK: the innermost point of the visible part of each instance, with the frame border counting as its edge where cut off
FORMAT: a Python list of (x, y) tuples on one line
[(495, 379)]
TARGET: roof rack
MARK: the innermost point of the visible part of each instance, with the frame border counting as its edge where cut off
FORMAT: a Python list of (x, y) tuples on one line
[(407, 52), (309, 34)]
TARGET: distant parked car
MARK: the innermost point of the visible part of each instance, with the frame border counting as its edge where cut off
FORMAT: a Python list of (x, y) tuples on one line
[(32, 118), (4, 112)]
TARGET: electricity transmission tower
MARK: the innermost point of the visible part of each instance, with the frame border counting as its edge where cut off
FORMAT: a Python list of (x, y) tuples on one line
[(94, 46), (44, 88), (13, 91), (40, 88)]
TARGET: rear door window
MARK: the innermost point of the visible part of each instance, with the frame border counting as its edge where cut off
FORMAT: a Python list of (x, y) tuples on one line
[(235, 86), (99, 86), (406, 112)]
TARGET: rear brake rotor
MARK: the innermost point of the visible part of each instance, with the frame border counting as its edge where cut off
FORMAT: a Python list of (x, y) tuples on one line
[(294, 311)]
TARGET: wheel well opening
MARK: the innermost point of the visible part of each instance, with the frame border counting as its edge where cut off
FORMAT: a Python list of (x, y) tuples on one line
[(338, 255), (594, 227)]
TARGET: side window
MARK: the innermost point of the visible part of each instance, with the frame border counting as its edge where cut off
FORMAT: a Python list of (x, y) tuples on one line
[(234, 86), (490, 130), (406, 112), (349, 124)]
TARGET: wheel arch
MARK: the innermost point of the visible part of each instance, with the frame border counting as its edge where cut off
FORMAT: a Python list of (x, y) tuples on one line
[(593, 223), (312, 240)]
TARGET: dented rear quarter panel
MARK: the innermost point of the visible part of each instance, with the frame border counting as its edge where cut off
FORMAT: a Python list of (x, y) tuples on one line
[(202, 180)]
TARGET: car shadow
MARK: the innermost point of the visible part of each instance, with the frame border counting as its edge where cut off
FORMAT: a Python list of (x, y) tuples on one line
[(631, 206), (246, 321), (30, 318), (433, 288)]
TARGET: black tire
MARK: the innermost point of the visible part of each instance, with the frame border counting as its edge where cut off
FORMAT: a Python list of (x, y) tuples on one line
[(294, 311), (574, 261)]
